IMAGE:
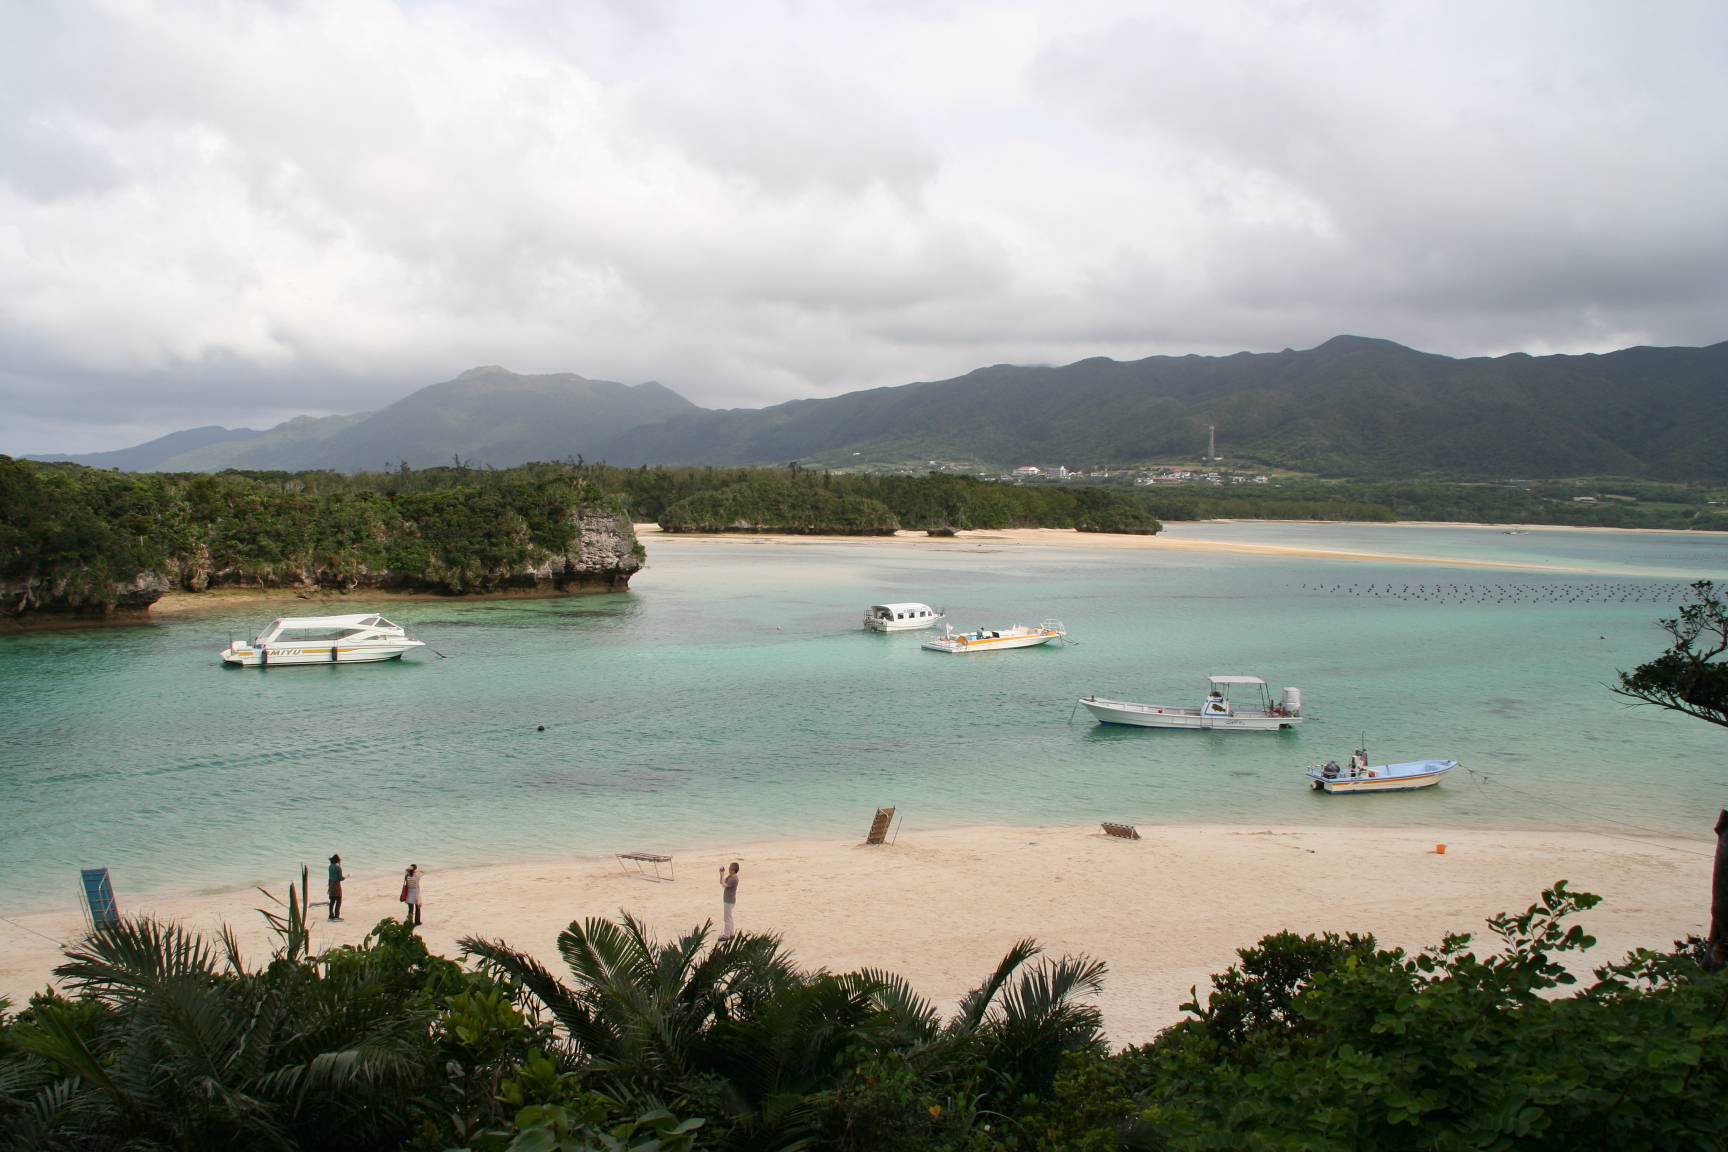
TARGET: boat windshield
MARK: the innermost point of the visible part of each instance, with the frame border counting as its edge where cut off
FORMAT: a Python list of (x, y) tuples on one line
[(309, 635)]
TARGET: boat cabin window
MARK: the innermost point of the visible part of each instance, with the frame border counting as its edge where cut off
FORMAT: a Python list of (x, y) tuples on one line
[(312, 635)]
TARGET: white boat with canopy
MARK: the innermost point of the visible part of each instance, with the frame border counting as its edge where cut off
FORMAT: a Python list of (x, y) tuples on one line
[(1360, 776), (322, 640), (995, 640), (900, 617), (1252, 709)]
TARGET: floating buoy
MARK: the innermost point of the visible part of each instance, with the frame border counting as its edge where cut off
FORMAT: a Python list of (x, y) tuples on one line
[(542, 728)]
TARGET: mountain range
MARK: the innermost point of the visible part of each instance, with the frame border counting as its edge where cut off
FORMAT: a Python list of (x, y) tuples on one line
[(1353, 406)]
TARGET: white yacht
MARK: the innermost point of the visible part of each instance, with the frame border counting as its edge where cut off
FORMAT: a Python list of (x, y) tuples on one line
[(899, 617), (1217, 711), (989, 640), (323, 640)]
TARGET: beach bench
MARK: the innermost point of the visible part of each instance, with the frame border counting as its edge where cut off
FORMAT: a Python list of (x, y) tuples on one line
[(642, 861), (1121, 831), (99, 897), (879, 826)]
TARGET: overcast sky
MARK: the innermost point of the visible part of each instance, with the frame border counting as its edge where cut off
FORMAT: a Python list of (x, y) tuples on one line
[(233, 212)]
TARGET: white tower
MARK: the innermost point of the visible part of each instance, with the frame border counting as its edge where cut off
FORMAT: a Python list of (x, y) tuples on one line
[(1211, 442)]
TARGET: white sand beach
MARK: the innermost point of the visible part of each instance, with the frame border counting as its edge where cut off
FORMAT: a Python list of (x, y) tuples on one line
[(941, 906), (1072, 538)]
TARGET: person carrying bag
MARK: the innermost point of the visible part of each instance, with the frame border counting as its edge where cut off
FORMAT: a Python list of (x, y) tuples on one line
[(411, 895)]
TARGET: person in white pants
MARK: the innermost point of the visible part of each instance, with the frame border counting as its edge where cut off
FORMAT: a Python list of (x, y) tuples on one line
[(728, 899), (411, 894)]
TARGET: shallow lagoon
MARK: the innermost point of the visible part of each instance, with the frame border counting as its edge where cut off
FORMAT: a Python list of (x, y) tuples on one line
[(731, 695)]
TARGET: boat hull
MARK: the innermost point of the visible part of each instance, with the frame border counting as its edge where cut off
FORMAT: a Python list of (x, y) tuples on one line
[(1417, 774), (318, 654), (961, 646), (1157, 716), (901, 625)]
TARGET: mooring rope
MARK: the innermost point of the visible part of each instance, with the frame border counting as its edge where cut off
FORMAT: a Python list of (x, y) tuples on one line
[(1482, 778)]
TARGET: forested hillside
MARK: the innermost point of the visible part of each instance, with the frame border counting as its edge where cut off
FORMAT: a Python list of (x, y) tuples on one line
[(1351, 407), (485, 415)]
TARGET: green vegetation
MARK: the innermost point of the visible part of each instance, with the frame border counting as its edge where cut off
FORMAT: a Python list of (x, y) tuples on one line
[(1353, 407), (79, 540), (1608, 504), (1690, 677), (713, 500), (169, 1040), (76, 539)]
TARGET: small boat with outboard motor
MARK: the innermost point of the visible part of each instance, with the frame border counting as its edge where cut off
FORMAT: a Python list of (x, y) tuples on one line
[(900, 617), (1256, 713), (1360, 776), (994, 640), (353, 639)]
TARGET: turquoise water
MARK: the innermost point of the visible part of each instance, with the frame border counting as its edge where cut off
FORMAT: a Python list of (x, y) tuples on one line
[(732, 695)]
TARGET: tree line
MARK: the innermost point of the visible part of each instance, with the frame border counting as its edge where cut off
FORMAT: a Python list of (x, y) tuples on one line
[(76, 539)]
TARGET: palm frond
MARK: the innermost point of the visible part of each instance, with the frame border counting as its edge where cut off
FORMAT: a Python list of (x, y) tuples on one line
[(129, 957), (913, 1017), (976, 1003), (1050, 985), (54, 1035), (578, 1019)]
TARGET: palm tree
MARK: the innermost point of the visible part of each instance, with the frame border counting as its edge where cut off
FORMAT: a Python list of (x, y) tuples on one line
[(176, 1042), (1017, 1024), (738, 1025), (735, 1027)]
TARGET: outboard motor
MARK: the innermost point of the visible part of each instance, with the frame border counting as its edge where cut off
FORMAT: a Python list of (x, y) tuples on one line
[(1331, 770), (1292, 702)]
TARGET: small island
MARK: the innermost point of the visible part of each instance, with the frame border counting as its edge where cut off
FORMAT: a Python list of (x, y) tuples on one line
[(82, 544)]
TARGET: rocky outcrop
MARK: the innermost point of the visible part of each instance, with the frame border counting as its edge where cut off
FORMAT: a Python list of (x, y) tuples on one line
[(74, 599), (601, 557)]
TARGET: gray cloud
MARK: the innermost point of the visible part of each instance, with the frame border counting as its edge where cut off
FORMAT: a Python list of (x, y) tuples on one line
[(235, 213)]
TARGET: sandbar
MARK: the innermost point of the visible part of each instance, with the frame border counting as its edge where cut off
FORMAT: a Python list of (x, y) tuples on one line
[(941, 906), (1072, 538)]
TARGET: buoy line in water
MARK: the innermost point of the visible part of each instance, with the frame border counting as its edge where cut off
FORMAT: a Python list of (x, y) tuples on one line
[(1451, 593), (1483, 778)]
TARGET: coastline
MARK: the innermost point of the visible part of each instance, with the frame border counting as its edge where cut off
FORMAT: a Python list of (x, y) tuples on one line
[(940, 906), (180, 603), (1073, 538)]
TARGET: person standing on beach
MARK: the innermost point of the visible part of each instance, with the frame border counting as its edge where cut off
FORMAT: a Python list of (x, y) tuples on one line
[(411, 895), (728, 899), (336, 879)]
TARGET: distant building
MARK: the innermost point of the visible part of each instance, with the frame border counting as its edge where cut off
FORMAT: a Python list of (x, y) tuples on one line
[(1583, 499), (1261, 479), (1028, 470)]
